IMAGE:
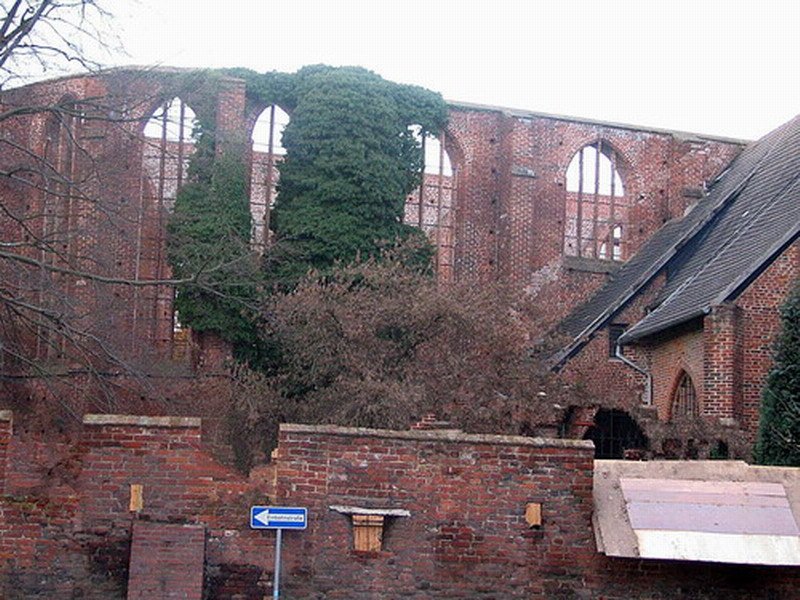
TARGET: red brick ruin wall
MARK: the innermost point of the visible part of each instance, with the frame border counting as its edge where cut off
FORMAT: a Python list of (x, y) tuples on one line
[(508, 225), (727, 354), (68, 531), (511, 196), (509, 202), (604, 380)]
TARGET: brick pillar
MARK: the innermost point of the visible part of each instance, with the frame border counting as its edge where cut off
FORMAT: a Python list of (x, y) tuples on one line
[(213, 354), (232, 132), (722, 363), (580, 421), (6, 430), (154, 453), (166, 561)]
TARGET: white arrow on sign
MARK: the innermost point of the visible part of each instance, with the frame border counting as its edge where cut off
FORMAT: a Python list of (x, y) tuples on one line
[(262, 517)]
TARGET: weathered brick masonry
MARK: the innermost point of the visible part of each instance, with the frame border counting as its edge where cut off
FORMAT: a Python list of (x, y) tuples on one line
[(506, 219), (511, 195), (73, 533), (509, 200), (728, 353)]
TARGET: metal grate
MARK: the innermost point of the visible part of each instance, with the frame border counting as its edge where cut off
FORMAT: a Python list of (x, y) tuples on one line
[(684, 401), (613, 432)]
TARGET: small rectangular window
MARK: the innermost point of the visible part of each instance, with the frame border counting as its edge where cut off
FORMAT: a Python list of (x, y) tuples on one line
[(369, 525), (615, 330), (367, 533)]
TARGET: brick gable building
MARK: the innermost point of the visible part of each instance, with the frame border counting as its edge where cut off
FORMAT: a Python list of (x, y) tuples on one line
[(697, 309)]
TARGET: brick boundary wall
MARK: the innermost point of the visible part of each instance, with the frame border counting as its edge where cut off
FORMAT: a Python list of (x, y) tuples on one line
[(464, 535), (166, 561)]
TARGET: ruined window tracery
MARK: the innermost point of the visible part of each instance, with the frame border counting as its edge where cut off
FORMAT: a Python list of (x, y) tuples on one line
[(58, 234), (684, 399), (169, 141), (170, 135), (596, 207), (430, 206), (268, 152)]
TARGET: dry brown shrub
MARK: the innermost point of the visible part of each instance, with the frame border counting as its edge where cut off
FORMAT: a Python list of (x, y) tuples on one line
[(378, 344)]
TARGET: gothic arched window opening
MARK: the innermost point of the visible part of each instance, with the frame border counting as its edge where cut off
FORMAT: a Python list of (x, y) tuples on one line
[(169, 141), (57, 239), (684, 399), (268, 152), (613, 432), (170, 135), (596, 207), (430, 206)]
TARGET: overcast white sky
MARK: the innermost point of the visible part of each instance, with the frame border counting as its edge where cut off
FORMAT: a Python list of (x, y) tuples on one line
[(729, 68)]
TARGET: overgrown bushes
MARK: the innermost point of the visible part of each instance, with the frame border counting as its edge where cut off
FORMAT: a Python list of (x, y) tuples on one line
[(779, 428)]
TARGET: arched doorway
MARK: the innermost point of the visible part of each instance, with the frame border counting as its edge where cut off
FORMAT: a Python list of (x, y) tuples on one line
[(613, 432)]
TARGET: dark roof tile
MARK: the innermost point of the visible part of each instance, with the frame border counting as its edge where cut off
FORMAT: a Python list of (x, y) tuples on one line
[(734, 227)]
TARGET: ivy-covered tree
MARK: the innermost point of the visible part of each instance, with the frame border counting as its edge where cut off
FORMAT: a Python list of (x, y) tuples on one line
[(779, 430), (209, 244), (351, 160)]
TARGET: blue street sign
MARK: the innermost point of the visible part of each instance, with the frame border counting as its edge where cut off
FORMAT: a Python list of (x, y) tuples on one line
[(278, 517)]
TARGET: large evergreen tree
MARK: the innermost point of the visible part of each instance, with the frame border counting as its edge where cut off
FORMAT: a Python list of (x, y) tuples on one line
[(779, 430), (351, 161)]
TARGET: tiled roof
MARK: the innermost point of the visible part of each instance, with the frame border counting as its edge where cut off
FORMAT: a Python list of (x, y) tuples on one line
[(712, 251), (753, 228)]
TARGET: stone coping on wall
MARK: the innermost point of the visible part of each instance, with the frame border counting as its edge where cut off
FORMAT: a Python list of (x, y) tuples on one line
[(142, 421), (438, 436)]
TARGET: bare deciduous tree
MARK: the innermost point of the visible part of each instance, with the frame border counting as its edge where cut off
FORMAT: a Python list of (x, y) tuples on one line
[(45, 36), (55, 166)]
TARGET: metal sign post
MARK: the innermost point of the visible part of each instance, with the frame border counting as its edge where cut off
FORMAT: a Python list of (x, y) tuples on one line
[(276, 576), (280, 518)]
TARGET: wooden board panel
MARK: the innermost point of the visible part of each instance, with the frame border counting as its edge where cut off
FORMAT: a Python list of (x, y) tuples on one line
[(682, 497), (702, 486), (719, 547), (762, 520)]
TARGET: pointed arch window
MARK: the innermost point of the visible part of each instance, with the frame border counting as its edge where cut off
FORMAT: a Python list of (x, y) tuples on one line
[(58, 235), (61, 153), (430, 206), (170, 134), (684, 399), (268, 152), (597, 206)]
